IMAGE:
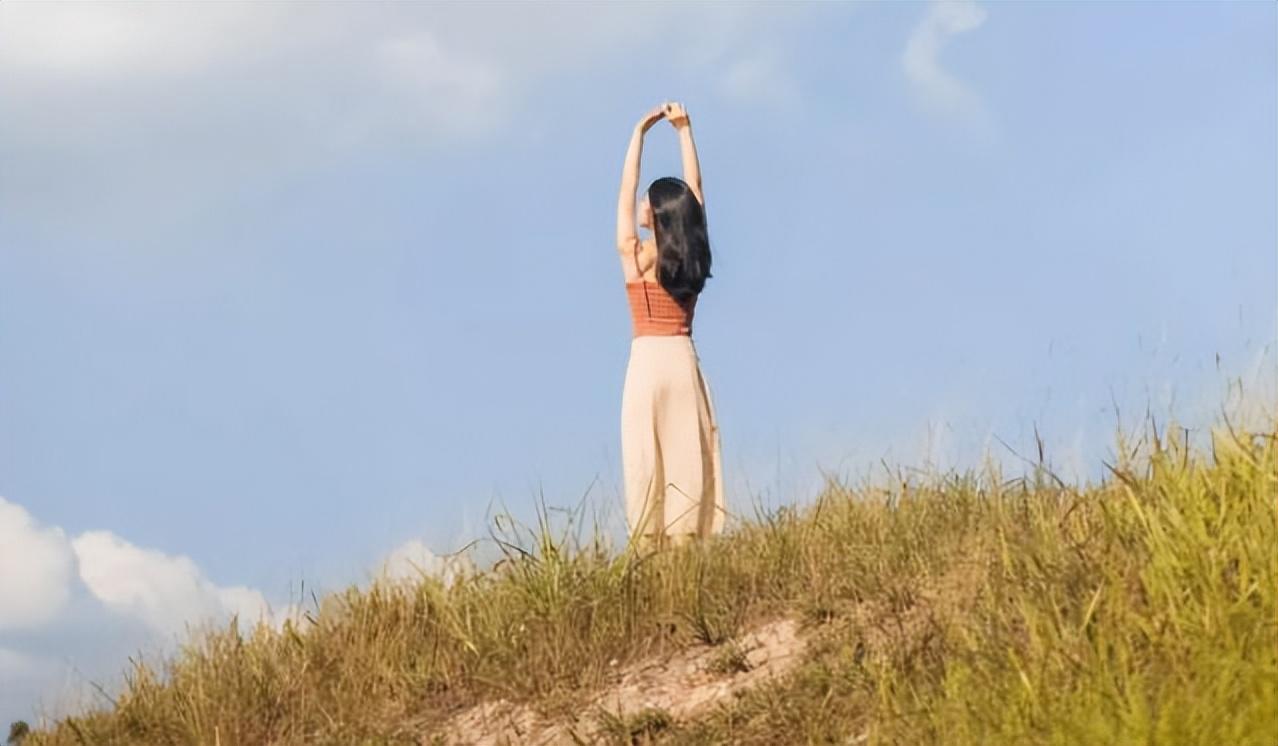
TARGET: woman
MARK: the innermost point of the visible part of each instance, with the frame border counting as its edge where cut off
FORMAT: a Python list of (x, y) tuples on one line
[(669, 436)]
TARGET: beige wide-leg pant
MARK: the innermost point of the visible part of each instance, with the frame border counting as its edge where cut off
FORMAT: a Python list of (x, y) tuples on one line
[(669, 444)]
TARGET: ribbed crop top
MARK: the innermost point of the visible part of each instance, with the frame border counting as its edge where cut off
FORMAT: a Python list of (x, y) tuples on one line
[(654, 311)]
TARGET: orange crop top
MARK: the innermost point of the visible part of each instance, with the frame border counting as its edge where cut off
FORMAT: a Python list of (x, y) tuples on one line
[(654, 311)]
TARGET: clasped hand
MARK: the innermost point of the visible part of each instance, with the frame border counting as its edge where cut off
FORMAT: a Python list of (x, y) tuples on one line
[(672, 111)]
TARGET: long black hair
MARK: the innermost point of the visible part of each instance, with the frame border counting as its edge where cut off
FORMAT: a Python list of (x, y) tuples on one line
[(683, 243)]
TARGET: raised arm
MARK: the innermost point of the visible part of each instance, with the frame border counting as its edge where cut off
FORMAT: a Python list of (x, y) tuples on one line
[(678, 116), (627, 230)]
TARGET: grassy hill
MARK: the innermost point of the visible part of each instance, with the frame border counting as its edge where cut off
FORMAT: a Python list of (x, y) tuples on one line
[(951, 609)]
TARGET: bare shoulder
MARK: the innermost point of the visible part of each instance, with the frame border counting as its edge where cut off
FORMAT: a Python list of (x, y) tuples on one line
[(645, 257)]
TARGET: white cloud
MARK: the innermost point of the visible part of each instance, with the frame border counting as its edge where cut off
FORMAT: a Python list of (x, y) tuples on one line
[(35, 569), (413, 560), (164, 591), (938, 89), (62, 626), (152, 597)]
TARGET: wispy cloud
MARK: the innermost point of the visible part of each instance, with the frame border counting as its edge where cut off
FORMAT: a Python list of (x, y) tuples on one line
[(103, 102), (322, 75), (108, 101), (281, 78), (100, 41), (937, 89), (760, 77)]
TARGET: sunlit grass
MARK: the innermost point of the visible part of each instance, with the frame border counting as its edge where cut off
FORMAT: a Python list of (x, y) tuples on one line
[(950, 609)]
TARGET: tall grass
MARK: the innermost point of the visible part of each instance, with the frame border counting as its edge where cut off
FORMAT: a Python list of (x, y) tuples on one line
[(1141, 611), (955, 609)]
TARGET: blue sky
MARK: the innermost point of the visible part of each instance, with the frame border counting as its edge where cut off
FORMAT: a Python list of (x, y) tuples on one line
[(288, 289)]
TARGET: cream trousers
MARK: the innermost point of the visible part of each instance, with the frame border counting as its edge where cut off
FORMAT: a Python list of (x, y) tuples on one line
[(669, 444)]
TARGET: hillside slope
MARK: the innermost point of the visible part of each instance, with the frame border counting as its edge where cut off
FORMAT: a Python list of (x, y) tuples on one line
[(952, 609)]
